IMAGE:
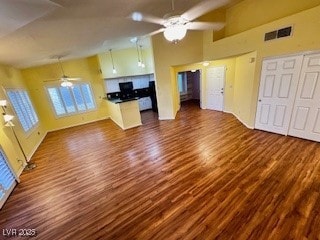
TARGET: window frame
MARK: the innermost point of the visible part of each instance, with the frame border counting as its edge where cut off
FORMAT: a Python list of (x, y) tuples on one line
[(34, 126), (77, 112)]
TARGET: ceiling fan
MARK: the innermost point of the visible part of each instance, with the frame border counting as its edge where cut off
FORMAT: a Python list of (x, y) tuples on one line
[(64, 79), (175, 25)]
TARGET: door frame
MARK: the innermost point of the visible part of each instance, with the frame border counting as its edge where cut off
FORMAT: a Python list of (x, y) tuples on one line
[(188, 69)]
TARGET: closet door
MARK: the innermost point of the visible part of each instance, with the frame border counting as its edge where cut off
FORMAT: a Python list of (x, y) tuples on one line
[(278, 85), (305, 121), (7, 179)]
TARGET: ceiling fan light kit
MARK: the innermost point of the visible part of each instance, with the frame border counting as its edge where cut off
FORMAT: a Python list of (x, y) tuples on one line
[(66, 83), (64, 79), (175, 33), (175, 26)]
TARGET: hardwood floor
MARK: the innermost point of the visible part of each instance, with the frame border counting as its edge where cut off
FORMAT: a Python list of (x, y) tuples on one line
[(201, 176)]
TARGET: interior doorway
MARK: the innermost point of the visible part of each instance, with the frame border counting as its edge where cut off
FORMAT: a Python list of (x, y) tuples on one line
[(189, 86)]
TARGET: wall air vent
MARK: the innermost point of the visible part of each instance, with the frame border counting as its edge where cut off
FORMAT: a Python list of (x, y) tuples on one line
[(280, 33)]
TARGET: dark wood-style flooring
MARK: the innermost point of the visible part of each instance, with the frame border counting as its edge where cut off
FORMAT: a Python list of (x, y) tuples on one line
[(201, 176)]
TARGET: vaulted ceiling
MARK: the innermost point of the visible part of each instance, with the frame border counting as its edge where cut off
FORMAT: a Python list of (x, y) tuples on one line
[(32, 31)]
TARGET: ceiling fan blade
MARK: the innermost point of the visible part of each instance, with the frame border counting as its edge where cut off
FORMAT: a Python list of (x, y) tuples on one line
[(73, 79), (154, 32), (206, 25), (52, 80), (203, 8), (141, 17)]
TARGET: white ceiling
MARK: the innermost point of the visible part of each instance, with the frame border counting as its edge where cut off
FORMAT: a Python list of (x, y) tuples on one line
[(32, 31)]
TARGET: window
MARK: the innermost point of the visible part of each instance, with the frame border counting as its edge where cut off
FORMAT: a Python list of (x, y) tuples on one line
[(182, 82), (23, 107), (7, 179), (71, 100)]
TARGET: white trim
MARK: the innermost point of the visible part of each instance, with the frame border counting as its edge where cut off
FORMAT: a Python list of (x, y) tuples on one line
[(79, 124), (20, 172), (239, 119), (304, 53), (165, 118), (36, 147), (133, 126)]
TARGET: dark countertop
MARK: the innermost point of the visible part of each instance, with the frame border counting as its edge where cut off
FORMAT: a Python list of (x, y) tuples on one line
[(118, 100)]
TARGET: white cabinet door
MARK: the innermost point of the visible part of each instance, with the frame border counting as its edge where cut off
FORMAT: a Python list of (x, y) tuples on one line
[(112, 85), (305, 121), (136, 83), (278, 84), (215, 87), (144, 81), (141, 104), (145, 103), (148, 103)]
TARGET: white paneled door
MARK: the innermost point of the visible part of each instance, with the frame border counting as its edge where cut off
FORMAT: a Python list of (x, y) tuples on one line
[(278, 85), (215, 88), (305, 121)]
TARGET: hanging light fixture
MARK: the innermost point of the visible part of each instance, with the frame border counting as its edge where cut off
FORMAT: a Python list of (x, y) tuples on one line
[(114, 71), (175, 27), (139, 61), (3, 103), (142, 62), (174, 33), (7, 117)]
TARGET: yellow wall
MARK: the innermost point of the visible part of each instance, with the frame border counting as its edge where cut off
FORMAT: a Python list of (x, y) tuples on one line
[(243, 94), (126, 63), (253, 13), (229, 85), (11, 78), (115, 113), (305, 38), (167, 55), (87, 69)]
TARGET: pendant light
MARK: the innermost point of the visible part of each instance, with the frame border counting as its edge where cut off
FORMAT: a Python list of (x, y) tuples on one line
[(139, 61), (141, 54), (114, 71)]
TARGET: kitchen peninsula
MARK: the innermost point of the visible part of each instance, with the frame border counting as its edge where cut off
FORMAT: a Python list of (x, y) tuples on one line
[(127, 99), (125, 113)]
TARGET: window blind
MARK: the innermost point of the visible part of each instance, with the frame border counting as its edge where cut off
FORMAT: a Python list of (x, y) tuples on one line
[(7, 179)]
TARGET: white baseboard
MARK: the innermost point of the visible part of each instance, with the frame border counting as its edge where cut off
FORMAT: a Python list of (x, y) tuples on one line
[(239, 119), (165, 119), (79, 124), (36, 147), (133, 126), (20, 172)]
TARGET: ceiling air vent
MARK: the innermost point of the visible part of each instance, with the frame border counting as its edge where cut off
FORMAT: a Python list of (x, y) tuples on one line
[(280, 33)]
